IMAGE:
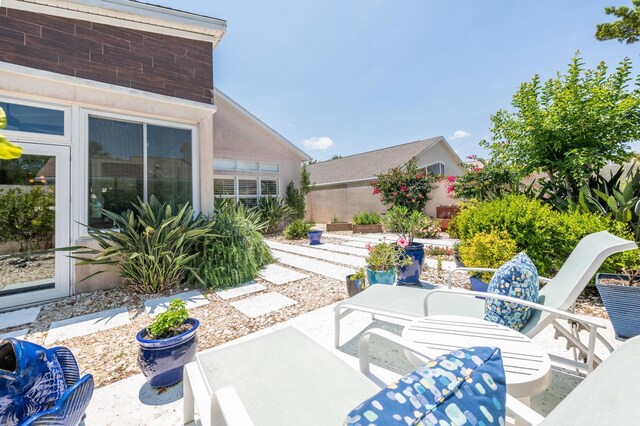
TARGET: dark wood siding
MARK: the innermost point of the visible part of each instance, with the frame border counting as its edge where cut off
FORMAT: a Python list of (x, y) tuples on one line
[(152, 62)]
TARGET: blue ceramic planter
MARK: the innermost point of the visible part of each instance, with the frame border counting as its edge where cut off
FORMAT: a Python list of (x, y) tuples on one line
[(162, 360), (410, 274), (622, 304), (353, 286), (314, 237), (478, 285), (381, 277)]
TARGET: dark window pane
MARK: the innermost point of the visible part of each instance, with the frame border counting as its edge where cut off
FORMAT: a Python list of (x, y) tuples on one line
[(115, 167), (31, 119), (169, 169), (249, 202), (223, 186), (268, 187), (247, 186)]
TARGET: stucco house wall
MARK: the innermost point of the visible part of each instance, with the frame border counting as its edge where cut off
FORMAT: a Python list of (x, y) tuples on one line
[(238, 135), (348, 198)]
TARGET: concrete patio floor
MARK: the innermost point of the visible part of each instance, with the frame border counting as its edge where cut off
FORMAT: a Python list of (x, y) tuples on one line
[(133, 402)]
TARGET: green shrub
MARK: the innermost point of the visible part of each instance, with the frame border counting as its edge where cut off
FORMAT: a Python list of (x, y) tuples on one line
[(272, 211), (386, 256), (153, 246), (171, 322), (366, 218), (239, 251), (430, 228), (404, 222), (295, 200), (406, 186), (297, 230), (548, 236), (28, 216), (487, 250)]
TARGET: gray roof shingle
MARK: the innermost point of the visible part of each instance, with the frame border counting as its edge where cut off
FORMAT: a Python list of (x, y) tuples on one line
[(367, 164)]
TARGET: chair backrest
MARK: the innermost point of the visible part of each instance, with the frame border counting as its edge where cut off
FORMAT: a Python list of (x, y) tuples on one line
[(608, 396), (575, 274)]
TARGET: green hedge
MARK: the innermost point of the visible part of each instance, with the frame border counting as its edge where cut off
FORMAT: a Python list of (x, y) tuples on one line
[(548, 236)]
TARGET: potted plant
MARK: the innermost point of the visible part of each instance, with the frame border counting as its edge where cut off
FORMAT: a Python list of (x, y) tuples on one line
[(167, 345), (314, 237), (338, 225), (620, 294), (406, 224), (356, 282), (486, 251), (366, 222), (382, 262)]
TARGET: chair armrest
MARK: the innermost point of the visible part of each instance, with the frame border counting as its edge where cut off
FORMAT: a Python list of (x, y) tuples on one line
[(465, 269), (537, 306), (544, 279), (231, 407), (522, 412), (398, 341)]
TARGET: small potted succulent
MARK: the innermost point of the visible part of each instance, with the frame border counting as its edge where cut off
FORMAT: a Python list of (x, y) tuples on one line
[(356, 282), (382, 262), (406, 224), (167, 345)]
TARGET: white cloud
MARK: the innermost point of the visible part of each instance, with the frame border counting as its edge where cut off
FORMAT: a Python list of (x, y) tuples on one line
[(321, 144), (460, 134)]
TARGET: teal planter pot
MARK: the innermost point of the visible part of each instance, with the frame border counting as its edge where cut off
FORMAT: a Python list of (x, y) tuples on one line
[(381, 277)]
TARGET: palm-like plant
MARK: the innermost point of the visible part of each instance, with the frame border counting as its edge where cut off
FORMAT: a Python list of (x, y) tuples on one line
[(272, 211), (153, 245)]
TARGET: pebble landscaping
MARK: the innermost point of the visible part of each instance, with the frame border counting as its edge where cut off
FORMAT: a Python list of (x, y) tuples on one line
[(100, 327)]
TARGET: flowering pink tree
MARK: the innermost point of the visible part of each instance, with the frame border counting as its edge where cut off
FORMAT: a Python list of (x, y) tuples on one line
[(482, 180), (407, 186)]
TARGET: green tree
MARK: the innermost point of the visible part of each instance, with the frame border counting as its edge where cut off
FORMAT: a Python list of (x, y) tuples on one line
[(295, 197), (571, 126), (626, 29)]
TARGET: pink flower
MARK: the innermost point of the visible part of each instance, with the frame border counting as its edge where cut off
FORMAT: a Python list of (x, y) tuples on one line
[(472, 157), (451, 178), (376, 191), (420, 176), (368, 247), (449, 189), (403, 188), (403, 242), (395, 192)]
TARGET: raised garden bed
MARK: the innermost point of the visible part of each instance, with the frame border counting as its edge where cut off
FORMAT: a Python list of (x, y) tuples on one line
[(363, 229), (339, 226)]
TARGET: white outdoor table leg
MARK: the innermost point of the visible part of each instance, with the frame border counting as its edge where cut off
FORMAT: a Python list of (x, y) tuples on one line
[(188, 411), (526, 401)]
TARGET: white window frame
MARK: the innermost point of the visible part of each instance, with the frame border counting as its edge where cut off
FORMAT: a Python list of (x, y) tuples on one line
[(444, 171), (195, 151), (19, 136), (233, 166), (236, 190)]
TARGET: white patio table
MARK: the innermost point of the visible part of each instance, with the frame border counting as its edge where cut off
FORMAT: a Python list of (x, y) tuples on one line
[(527, 364)]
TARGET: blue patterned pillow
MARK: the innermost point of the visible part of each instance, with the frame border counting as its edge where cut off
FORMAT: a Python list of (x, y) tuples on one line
[(516, 278), (463, 387)]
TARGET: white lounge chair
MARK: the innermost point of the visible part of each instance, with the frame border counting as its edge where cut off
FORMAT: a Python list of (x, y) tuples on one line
[(555, 301)]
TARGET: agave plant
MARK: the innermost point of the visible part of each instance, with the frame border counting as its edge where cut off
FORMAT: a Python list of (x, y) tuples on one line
[(273, 210), (153, 245)]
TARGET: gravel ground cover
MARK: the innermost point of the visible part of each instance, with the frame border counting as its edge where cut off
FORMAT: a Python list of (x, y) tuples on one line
[(111, 355)]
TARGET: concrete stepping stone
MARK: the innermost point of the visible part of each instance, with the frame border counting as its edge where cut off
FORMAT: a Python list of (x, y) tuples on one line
[(19, 317), (356, 250), (241, 290), (345, 259), (18, 334), (263, 304), (87, 324), (193, 299), (279, 275), (319, 267)]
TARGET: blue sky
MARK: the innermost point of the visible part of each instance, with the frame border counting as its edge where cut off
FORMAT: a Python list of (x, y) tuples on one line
[(351, 76)]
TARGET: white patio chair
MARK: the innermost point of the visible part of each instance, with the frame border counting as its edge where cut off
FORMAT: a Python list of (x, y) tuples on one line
[(555, 301)]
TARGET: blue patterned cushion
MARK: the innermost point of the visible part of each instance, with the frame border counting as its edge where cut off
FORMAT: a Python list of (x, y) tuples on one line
[(463, 387), (516, 278)]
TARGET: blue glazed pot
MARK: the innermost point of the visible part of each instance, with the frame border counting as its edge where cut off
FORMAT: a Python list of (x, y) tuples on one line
[(314, 237), (381, 277), (162, 360), (478, 285), (622, 304), (31, 380), (410, 274)]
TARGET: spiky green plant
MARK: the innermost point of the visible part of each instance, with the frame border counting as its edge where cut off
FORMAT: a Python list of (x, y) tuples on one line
[(153, 246), (273, 210)]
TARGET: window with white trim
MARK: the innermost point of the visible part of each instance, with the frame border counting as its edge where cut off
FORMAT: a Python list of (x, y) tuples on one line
[(247, 190), (245, 166), (436, 169)]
